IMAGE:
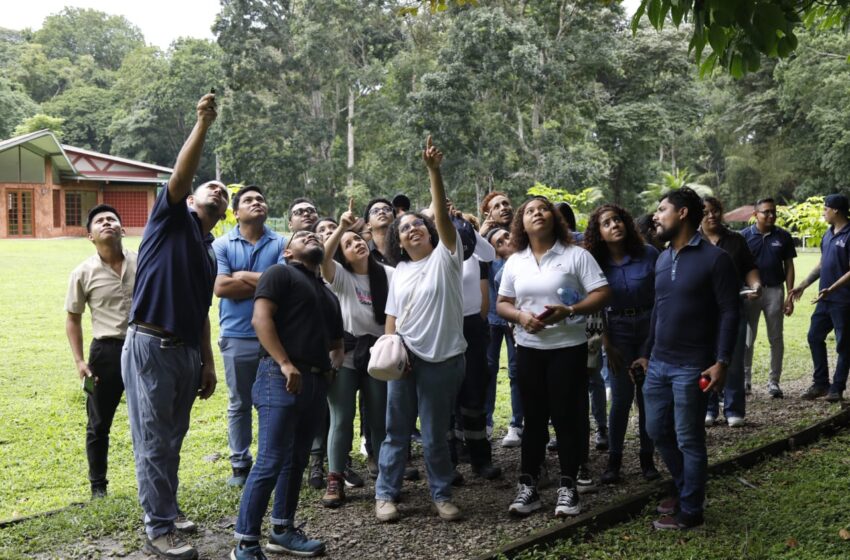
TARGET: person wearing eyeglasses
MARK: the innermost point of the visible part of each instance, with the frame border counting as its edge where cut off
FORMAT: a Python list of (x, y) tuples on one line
[(774, 253), (302, 214), (378, 215), (424, 307)]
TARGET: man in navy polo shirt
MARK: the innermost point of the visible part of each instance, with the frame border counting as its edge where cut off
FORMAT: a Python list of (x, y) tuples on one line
[(692, 333), (242, 255), (167, 358), (832, 311), (774, 254)]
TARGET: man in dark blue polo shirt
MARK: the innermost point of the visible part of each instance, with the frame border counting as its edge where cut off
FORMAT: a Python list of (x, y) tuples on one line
[(832, 311), (774, 253), (692, 333), (298, 321), (242, 255), (167, 359)]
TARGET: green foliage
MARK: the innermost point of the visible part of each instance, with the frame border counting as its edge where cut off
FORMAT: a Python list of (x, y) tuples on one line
[(40, 121), (739, 32), (805, 219), (15, 107), (669, 182), (86, 112), (229, 222), (582, 202)]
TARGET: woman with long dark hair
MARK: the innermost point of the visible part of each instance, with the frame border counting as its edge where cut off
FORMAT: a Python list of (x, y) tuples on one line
[(547, 288), (361, 284), (425, 308), (629, 264)]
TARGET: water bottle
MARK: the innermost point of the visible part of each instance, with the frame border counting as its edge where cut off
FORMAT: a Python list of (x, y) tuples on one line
[(570, 297)]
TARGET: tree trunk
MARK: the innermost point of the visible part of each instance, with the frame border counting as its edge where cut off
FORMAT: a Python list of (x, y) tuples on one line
[(350, 162), (217, 167)]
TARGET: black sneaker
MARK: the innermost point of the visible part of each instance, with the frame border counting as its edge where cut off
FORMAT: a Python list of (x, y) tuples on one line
[(814, 392), (487, 472), (239, 477), (834, 396), (527, 499), (98, 491), (601, 439), (352, 479), (584, 480), (568, 500), (317, 473), (411, 474)]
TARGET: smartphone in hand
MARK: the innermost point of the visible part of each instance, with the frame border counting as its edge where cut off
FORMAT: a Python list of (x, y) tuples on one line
[(88, 384)]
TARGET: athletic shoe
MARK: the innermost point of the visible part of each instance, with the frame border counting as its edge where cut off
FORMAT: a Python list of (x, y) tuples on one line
[(98, 491), (239, 477), (487, 472), (527, 499), (170, 545), (611, 475), (411, 474), (352, 479), (834, 396), (773, 390), (678, 522), (601, 439), (584, 480), (568, 501), (386, 511), (814, 392), (735, 421), (448, 511), (292, 540), (668, 506), (317, 473), (710, 419), (513, 438), (335, 493), (250, 552), (647, 467), (184, 524)]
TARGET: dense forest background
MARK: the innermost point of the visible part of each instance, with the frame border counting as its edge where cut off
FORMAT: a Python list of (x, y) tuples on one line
[(331, 99)]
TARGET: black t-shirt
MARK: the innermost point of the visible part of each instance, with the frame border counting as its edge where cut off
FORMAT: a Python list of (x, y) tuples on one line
[(308, 316), (734, 243)]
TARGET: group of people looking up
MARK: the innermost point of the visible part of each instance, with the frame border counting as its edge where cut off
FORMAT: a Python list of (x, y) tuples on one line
[(670, 306)]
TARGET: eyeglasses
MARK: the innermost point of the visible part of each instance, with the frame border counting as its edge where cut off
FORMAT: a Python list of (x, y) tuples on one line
[(418, 222), (375, 210), (305, 211)]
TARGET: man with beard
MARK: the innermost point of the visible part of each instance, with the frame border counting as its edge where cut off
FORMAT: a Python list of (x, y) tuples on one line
[(497, 211), (167, 358), (242, 255), (302, 214), (299, 324), (692, 334), (105, 282)]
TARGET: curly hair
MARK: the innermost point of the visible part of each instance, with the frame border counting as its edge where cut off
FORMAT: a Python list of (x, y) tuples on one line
[(597, 246), (395, 254), (519, 238), (485, 202)]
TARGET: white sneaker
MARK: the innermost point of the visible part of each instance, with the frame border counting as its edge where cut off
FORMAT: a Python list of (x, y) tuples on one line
[(448, 511), (568, 500), (386, 511), (735, 421), (709, 420), (513, 438)]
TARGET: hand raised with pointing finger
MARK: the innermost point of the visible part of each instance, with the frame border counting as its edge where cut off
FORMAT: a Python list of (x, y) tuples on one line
[(348, 218), (206, 109), (432, 156)]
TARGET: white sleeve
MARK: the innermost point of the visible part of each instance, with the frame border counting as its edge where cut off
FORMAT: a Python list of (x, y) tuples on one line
[(506, 287), (391, 307), (339, 283), (589, 272), (483, 249)]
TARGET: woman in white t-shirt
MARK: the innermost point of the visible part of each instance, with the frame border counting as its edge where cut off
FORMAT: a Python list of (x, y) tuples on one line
[(548, 286), (361, 284), (424, 306)]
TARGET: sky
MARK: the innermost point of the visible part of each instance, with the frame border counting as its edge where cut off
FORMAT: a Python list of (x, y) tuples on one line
[(161, 21)]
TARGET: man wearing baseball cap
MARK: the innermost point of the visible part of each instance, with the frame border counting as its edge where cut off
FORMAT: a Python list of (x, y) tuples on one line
[(832, 310)]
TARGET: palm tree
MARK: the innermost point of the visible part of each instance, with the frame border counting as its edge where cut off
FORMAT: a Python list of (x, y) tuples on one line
[(670, 182)]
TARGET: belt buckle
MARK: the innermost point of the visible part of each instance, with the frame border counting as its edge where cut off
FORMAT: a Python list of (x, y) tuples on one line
[(169, 343)]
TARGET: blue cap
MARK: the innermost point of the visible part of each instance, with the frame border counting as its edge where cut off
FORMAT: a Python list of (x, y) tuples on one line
[(837, 202)]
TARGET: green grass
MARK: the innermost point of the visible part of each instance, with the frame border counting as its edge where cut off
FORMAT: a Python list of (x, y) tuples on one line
[(42, 432), (796, 511)]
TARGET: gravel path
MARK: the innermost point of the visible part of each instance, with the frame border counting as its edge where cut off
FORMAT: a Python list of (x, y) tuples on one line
[(353, 532)]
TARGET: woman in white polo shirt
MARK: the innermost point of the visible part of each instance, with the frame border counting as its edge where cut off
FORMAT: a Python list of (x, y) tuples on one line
[(425, 307), (550, 275)]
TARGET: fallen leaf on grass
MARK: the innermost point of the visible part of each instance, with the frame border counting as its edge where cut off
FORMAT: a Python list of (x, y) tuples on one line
[(844, 534), (792, 543)]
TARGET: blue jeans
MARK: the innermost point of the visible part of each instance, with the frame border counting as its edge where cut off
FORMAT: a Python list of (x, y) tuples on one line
[(341, 399), (161, 383), (432, 388), (287, 424), (734, 395), (627, 335), (494, 353), (827, 317), (675, 413), (596, 393), (241, 358)]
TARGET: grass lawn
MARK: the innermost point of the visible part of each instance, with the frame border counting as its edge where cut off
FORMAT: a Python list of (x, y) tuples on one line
[(42, 432)]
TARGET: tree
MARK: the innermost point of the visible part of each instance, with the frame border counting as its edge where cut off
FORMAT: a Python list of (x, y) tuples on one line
[(40, 122), (15, 106), (87, 113)]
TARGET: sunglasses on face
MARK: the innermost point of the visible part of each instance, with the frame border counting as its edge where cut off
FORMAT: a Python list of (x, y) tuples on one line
[(306, 211), (375, 210), (418, 222)]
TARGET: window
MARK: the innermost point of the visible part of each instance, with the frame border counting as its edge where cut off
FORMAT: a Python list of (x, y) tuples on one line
[(19, 165), (133, 207), (19, 213), (77, 206)]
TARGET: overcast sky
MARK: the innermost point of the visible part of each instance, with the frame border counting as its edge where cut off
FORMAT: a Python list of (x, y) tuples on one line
[(161, 21)]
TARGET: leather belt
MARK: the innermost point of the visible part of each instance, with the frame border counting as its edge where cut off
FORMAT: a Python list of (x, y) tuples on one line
[(166, 339), (628, 311)]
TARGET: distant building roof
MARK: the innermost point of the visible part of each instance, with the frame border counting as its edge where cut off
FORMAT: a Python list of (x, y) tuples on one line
[(740, 214)]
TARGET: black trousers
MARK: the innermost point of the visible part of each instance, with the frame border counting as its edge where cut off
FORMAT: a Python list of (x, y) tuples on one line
[(553, 384), (105, 364), (470, 412)]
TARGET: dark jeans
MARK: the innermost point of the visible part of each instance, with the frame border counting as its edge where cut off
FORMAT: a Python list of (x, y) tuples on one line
[(627, 335), (734, 392), (105, 364), (472, 398), (287, 424), (494, 353), (827, 317), (553, 384)]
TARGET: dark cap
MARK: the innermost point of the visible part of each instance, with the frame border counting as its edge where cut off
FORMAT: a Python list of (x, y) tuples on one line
[(401, 201), (467, 235), (837, 202)]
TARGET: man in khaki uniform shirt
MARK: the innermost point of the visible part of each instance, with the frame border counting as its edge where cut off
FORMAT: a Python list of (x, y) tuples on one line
[(105, 282)]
